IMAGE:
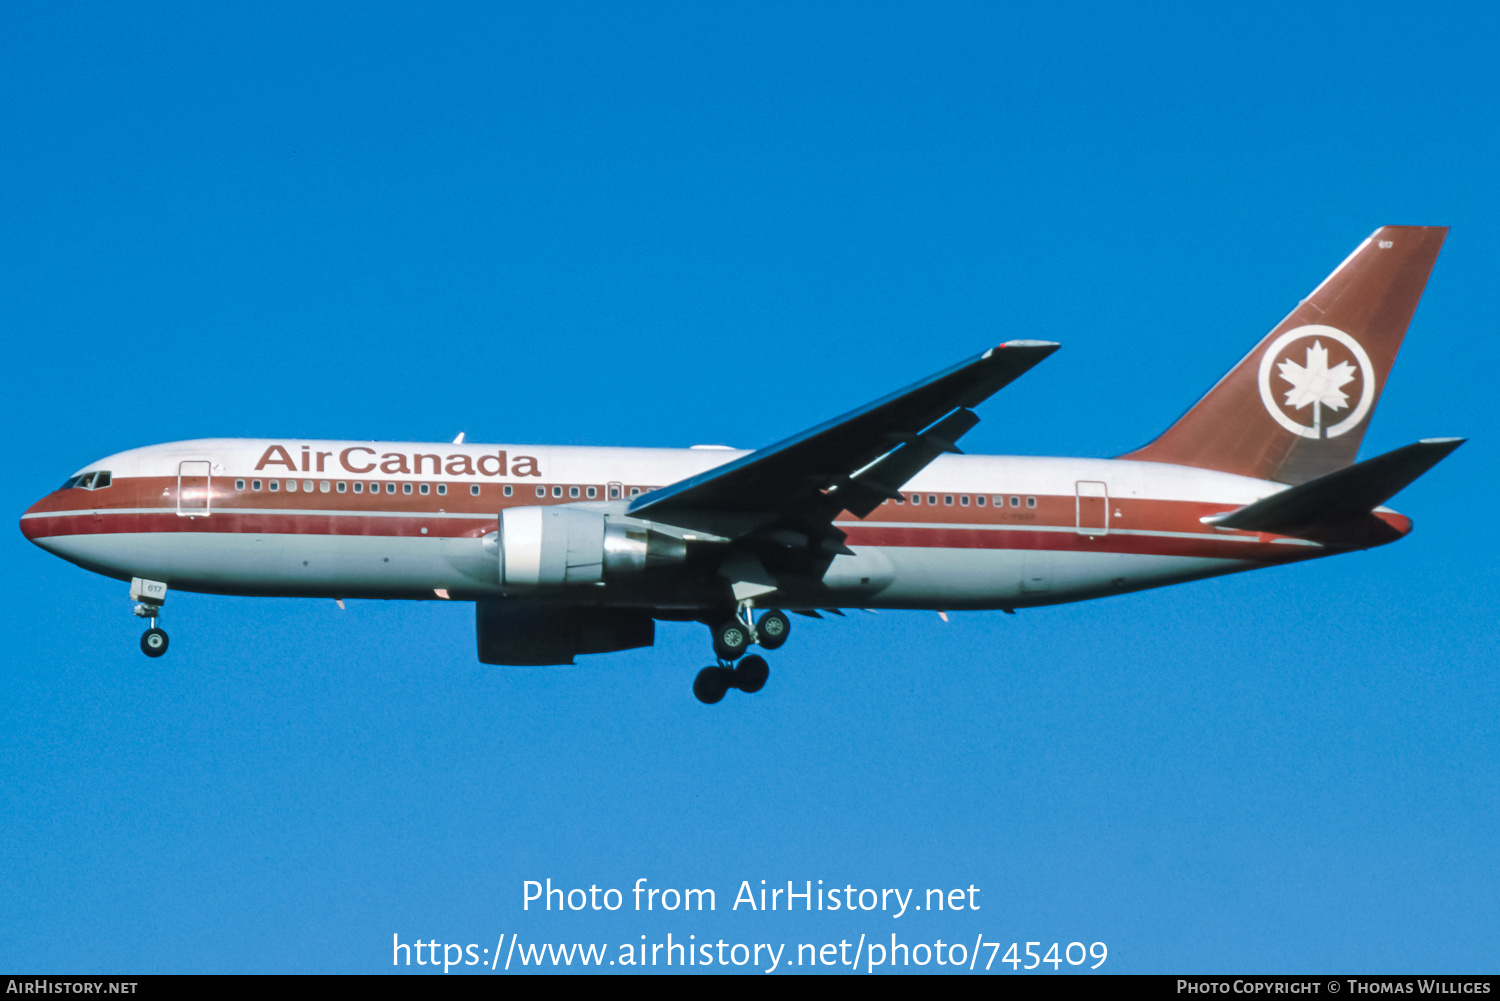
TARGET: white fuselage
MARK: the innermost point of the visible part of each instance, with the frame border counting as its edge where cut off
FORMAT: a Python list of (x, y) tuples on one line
[(417, 520)]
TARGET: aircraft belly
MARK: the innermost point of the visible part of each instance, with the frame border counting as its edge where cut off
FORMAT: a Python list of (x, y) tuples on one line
[(286, 565), (926, 577), (350, 566)]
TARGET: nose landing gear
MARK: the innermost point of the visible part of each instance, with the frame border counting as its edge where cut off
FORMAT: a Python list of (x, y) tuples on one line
[(154, 641), (730, 640), (150, 594)]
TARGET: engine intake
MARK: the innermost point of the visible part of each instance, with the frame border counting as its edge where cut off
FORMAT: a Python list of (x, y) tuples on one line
[(567, 545)]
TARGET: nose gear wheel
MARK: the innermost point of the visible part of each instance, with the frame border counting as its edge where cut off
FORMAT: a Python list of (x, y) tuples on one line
[(154, 642)]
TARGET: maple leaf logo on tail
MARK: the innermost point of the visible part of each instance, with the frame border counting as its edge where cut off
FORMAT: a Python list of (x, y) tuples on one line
[(1317, 384)]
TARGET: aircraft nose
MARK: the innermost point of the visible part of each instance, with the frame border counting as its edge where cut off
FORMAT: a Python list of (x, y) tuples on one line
[(34, 521)]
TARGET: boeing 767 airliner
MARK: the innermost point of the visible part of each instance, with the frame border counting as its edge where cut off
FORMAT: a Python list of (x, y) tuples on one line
[(569, 551)]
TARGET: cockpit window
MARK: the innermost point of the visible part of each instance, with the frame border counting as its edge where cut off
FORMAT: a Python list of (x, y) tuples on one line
[(94, 479)]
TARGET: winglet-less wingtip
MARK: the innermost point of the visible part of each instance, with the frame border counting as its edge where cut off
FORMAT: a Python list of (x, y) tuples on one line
[(1022, 344)]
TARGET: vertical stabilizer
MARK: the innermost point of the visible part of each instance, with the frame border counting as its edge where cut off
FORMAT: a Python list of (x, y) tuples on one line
[(1298, 405)]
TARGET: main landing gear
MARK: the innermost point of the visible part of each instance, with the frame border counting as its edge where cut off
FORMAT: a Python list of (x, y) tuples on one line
[(150, 594), (730, 642)]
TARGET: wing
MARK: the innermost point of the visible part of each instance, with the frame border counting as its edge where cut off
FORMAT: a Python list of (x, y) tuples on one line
[(850, 463)]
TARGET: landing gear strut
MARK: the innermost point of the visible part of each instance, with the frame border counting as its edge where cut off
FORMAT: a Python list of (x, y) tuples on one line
[(150, 594), (730, 640)]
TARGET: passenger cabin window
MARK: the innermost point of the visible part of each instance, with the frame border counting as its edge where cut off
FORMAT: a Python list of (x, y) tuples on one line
[(572, 491), (390, 488), (406, 488), (592, 493), (359, 487), (255, 484), (507, 490), (275, 485), (342, 486), (979, 500), (324, 487), (307, 486), (442, 489), (916, 499), (541, 491), (422, 489), (614, 493), (557, 491), (1031, 502), (900, 498), (932, 498), (291, 486), (239, 484), (963, 501), (1015, 502), (635, 491), (948, 499)]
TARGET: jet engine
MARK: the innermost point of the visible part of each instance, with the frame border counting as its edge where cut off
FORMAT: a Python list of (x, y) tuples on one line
[(569, 545)]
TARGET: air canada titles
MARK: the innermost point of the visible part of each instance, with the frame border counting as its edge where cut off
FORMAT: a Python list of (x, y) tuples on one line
[(360, 460)]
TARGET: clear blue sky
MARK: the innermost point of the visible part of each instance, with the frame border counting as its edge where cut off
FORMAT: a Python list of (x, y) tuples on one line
[(668, 224)]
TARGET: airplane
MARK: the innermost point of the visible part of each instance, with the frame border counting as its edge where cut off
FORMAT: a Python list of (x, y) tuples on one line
[(568, 551)]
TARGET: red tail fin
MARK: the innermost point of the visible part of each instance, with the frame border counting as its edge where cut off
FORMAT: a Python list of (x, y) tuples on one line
[(1297, 406)]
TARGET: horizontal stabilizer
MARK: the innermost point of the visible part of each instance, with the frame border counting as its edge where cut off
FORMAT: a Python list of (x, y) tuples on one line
[(1340, 496)]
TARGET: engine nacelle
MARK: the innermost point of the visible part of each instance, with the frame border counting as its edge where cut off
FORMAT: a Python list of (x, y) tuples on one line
[(568, 545)]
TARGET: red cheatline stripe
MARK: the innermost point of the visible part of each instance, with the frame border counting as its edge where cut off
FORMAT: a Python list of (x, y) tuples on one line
[(935, 536), (245, 523), (1070, 542)]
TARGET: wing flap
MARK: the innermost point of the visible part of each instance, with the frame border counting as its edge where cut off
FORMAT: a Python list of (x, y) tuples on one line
[(883, 479)]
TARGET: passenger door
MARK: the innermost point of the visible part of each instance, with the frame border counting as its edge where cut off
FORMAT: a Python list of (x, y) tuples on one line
[(1092, 508), (194, 483)]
